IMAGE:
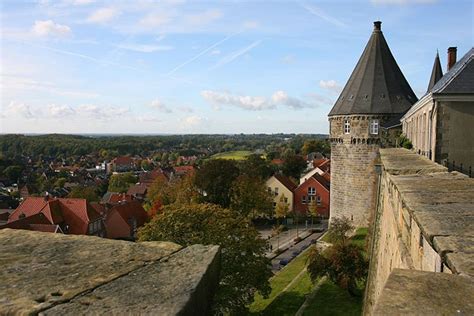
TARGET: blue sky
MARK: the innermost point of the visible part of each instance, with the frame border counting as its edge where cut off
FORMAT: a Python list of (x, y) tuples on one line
[(176, 66)]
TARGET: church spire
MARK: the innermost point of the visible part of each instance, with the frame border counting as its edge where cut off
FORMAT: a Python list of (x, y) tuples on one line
[(436, 73)]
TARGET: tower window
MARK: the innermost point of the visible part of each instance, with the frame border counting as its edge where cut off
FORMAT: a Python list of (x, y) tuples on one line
[(347, 126), (374, 127)]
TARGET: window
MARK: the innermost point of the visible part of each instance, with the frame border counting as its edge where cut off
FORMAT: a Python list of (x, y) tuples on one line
[(274, 204), (347, 126), (311, 191), (286, 200), (276, 191), (374, 127), (303, 199), (270, 190), (318, 200)]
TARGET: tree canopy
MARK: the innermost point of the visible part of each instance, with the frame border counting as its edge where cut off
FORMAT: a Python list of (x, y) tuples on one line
[(121, 182), (244, 268), (215, 178), (249, 197)]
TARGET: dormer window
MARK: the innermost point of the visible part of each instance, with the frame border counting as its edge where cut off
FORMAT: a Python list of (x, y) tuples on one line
[(347, 126), (374, 127)]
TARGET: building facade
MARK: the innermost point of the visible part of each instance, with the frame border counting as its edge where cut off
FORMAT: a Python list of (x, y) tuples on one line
[(278, 186), (440, 124), (376, 93)]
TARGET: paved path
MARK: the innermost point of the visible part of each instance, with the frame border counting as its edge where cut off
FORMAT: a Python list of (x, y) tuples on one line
[(298, 248)]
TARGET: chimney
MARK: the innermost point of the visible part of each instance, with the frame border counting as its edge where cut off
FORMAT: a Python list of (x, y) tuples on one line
[(451, 56), (377, 26)]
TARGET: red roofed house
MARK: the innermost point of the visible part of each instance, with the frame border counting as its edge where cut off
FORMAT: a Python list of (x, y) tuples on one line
[(150, 176), (73, 216), (182, 170), (121, 164), (123, 220), (315, 188)]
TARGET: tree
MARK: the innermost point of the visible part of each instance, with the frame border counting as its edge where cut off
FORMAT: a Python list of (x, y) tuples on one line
[(250, 197), (309, 146), (343, 263), (215, 179), (244, 267), (87, 193), (313, 210), (339, 228), (293, 166), (282, 208), (13, 172), (177, 191), (146, 165), (120, 182), (59, 183), (254, 165)]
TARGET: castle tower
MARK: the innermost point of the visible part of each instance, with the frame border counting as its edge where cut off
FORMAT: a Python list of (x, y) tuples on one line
[(375, 93)]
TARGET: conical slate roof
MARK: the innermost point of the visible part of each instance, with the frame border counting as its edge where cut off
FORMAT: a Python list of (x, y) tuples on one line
[(436, 73), (377, 85)]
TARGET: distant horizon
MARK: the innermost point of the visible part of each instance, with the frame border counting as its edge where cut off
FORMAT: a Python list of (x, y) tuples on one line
[(204, 67), (157, 134)]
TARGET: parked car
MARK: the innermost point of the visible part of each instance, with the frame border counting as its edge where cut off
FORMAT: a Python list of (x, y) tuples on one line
[(283, 262)]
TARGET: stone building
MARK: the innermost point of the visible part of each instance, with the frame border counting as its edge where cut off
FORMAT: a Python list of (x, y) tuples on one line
[(440, 124), (376, 93)]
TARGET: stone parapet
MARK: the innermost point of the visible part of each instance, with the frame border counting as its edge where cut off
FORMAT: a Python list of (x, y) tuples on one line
[(65, 274), (424, 221)]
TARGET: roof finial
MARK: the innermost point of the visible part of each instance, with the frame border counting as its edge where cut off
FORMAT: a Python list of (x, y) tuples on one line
[(377, 26)]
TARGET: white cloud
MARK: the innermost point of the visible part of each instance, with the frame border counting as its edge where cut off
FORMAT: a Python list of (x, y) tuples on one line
[(101, 113), (245, 102), (215, 52), (144, 48), (80, 2), (205, 17), (402, 2), (160, 106), (331, 85), (59, 111), (191, 121), (49, 28), (186, 109), (236, 54), (148, 119), (155, 19), (320, 100), (253, 103), (103, 15), (18, 109)]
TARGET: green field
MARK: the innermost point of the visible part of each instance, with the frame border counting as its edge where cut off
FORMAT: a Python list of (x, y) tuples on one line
[(234, 155), (328, 299)]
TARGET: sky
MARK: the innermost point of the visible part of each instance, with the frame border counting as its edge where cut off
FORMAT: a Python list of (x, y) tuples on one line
[(177, 66)]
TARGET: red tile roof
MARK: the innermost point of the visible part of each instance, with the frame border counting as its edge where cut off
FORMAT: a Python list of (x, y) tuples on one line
[(124, 160), (139, 189), (290, 185), (116, 198), (150, 176), (75, 213), (183, 169)]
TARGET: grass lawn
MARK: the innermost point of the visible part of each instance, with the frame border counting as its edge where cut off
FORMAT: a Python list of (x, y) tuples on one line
[(332, 300), (235, 155), (260, 306)]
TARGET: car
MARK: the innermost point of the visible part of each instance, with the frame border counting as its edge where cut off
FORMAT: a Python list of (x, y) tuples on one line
[(295, 253), (283, 262)]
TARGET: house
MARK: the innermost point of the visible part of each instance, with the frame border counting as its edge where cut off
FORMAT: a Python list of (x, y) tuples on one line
[(138, 191), (315, 188), (321, 168), (180, 171), (73, 216), (121, 164), (115, 198), (122, 220), (440, 124), (148, 177), (279, 185)]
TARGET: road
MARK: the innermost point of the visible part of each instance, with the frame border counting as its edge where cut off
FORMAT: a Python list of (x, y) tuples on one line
[(293, 251)]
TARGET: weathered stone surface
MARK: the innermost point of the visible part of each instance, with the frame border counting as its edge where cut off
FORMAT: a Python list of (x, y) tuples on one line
[(424, 221), (42, 270), (411, 292), (172, 286)]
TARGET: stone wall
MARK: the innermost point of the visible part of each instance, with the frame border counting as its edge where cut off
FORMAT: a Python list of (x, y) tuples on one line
[(56, 274), (424, 221)]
